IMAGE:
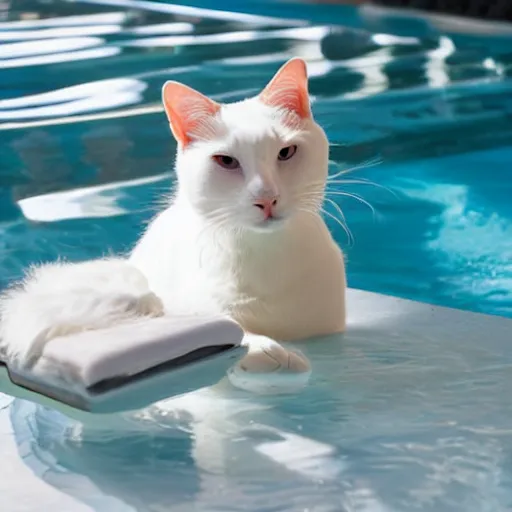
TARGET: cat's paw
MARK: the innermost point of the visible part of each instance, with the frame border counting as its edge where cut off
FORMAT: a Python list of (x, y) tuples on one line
[(150, 305), (35, 351), (271, 357), (270, 368), (144, 305)]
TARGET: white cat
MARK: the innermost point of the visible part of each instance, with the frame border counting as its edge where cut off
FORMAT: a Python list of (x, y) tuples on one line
[(243, 236)]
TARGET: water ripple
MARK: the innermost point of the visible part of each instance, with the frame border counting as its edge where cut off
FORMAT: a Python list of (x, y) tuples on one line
[(388, 423)]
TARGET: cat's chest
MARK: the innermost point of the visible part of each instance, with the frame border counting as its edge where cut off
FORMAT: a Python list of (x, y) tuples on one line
[(295, 299), (286, 290), (311, 303), (207, 278)]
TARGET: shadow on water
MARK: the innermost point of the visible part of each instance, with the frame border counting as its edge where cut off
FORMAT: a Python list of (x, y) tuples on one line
[(389, 422)]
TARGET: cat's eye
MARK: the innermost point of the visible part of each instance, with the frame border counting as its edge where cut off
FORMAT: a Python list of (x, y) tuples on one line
[(226, 161), (287, 152)]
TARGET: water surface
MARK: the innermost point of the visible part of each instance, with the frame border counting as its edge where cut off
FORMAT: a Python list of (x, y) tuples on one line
[(86, 154)]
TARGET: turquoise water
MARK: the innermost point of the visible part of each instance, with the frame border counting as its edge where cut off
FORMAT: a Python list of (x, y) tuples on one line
[(80, 108), (86, 153)]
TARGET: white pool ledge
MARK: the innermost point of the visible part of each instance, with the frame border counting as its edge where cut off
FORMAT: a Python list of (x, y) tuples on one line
[(447, 339)]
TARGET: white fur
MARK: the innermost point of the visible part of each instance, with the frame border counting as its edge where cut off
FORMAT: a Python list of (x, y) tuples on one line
[(60, 299), (211, 250)]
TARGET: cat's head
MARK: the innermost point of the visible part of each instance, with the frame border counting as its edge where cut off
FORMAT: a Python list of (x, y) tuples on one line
[(252, 164)]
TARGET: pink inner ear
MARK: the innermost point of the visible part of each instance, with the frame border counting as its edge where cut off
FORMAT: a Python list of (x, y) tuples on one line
[(189, 112), (289, 89)]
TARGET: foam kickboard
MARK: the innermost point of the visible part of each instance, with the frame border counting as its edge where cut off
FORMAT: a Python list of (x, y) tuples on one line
[(128, 366)]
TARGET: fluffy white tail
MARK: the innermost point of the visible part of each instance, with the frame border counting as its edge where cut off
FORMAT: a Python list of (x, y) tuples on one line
[(62, 298)]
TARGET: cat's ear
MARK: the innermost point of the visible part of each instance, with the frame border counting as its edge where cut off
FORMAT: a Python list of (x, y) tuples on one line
[(189, 112), (289, 89)]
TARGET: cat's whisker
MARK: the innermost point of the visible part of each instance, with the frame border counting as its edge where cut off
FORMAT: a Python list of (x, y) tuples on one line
[(342, 221), (308, 199), (314, 207), (310, 193), (353, 196), (311, 207), (217, 219), (337, 208), (363, 165), (218, 223), (315, 203), (313, 212), (312, 198), (221, 211), (362, 181), (316, 189), (333, 217)]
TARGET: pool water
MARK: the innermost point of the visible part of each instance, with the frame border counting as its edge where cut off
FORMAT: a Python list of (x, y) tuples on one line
[(423, 122)]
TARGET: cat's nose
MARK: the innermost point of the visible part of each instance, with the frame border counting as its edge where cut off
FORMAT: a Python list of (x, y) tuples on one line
[(266, 205)]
